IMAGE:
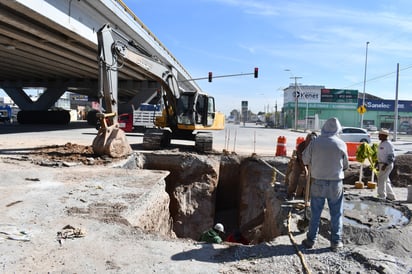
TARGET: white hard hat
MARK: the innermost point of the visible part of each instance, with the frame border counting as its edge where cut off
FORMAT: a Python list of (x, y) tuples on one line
[(219, 227)]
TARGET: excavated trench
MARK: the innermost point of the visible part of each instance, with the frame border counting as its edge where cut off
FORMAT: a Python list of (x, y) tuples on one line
[(237, 192), (241, 194)]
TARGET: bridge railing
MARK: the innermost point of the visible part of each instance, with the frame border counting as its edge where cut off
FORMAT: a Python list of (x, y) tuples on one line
[(131, 13)]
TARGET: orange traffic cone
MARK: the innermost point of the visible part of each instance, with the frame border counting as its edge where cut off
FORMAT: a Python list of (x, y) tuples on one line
[(281, 146), (299, 140)]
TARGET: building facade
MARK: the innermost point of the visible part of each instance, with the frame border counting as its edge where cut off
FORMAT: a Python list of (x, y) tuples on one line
[(313, 105)]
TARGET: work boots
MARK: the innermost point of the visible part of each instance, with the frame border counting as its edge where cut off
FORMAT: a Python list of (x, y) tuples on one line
[(308, 244), (336, 246)]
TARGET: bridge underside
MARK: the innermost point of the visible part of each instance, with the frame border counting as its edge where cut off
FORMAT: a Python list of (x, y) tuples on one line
[(36, 52)]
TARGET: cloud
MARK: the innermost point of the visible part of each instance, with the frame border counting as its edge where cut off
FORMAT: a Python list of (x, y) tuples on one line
[(253, 7)]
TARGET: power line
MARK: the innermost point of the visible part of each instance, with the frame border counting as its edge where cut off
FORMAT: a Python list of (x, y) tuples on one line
[(378, 77)]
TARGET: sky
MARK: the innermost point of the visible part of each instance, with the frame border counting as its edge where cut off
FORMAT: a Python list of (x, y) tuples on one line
[(323, 42)]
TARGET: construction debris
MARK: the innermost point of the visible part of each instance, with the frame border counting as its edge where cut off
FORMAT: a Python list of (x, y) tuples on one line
[(69, 232)]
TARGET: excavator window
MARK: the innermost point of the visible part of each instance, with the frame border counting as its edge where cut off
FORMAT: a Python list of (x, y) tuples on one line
[(201, 107), (210, 111), (185, 111)]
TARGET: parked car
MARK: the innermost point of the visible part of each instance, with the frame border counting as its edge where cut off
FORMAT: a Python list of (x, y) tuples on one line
[(355, 134), (270, 124), (372, 128), (259, 122)]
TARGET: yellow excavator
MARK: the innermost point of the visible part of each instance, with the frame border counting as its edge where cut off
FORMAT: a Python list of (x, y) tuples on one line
[(187, 115)]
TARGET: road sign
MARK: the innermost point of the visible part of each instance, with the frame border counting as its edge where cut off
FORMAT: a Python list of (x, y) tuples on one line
[(362, 109), (244, 111)]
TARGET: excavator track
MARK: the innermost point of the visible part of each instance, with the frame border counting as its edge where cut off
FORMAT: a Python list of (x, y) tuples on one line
[(157, 139), (153, 139), (204, 141)]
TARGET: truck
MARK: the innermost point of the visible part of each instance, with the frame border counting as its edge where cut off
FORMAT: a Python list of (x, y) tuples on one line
[(142, 118), (5, 114), (186, 115)]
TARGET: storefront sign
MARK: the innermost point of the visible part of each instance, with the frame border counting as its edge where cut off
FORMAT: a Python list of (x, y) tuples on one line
[(311, 96), (386, 105), (338, 95)]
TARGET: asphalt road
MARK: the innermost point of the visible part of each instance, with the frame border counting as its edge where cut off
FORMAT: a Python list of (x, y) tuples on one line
[(242, 139), (251, 138)]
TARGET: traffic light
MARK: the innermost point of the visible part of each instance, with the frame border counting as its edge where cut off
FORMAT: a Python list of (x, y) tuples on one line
[(210, 77), (256, 72)]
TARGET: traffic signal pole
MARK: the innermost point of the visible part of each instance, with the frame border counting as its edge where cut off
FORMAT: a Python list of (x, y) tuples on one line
[(210, 76)]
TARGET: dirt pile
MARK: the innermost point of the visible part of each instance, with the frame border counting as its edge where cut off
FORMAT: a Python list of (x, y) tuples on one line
[(68, 154), (402, 172)]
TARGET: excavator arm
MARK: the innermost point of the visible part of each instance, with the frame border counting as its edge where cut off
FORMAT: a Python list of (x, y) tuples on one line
[(110, 139), (184, 112)]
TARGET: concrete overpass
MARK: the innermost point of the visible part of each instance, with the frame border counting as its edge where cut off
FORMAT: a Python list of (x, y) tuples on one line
[(52, 44)]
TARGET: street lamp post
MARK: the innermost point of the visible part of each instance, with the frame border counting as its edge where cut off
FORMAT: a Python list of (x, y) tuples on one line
[(306, 120), (395, 126), (296, 100), (364, 82)]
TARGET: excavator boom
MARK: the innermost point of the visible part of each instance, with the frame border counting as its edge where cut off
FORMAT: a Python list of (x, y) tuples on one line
[(185, 113)]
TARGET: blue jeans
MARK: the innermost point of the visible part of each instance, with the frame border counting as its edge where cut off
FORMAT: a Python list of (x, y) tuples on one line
[(332, 191)]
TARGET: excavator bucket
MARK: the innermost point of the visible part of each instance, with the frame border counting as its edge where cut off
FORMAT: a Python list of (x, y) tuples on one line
[(111, 141)]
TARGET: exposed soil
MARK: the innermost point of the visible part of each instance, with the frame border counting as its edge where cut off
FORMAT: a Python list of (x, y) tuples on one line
[(68, 154), (111, 245)]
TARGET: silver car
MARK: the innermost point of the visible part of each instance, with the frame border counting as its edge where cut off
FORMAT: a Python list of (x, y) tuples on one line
[(355, 134)]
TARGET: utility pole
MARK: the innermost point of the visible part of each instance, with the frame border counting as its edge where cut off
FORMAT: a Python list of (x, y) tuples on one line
[(296, 100), (395, 126), (364, 82)]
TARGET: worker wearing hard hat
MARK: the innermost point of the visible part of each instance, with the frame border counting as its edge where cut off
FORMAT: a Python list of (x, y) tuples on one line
[(213, 235), (386, 158)]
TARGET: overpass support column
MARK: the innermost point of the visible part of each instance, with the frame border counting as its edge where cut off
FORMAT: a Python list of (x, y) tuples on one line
[(44, 102)]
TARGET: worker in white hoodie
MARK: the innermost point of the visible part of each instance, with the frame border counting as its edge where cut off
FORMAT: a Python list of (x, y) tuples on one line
[(327, 158)]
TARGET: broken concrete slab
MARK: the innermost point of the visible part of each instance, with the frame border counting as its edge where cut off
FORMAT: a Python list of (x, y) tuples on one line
[(133, 197)]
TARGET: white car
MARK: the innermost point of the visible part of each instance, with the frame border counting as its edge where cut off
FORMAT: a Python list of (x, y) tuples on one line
[(355, 134), (372, 128)]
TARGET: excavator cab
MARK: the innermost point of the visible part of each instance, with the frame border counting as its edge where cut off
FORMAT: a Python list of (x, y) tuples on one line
[(198, 110)]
